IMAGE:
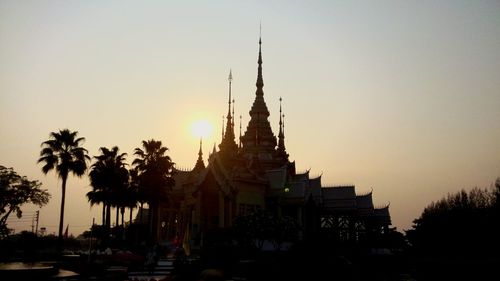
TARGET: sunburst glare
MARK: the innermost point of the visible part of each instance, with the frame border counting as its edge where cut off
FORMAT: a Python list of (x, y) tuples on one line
[(201, 128)]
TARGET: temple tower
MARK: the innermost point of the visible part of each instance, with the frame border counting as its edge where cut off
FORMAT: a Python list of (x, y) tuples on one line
[(259, 137), (228, 147)]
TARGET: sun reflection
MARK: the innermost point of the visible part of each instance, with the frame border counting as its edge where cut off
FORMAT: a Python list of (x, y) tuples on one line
[(202, 128)]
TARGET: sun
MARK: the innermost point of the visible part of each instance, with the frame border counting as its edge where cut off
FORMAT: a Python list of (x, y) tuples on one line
[(201, 128)]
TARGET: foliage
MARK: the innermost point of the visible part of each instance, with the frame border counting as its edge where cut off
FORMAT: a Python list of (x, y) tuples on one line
[(152, 176), (15, 191), (64, 154), (461, 223), (109, 179), (154, 170)]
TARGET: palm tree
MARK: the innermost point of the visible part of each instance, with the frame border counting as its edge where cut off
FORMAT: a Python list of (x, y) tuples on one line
[(64, 154), (109, 180), (137, 193), (98, 196), (154, 172)]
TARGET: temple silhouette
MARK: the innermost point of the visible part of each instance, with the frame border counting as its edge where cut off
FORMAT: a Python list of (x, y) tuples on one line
[(256, 173)]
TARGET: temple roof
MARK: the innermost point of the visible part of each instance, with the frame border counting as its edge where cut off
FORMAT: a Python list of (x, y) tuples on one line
[(339, 198)]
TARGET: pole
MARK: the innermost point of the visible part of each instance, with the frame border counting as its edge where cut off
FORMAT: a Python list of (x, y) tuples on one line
[(37, 218), (33, 224), (91, 234)]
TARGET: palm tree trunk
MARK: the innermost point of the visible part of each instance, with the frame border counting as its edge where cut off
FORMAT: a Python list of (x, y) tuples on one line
[(155, 222), (61, 215), (122, 210), (103, 214), (141, 212), (150, 222), (108, 216), (117, 218)]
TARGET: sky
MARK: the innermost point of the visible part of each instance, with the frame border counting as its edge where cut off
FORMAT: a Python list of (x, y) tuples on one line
[(402, 97)]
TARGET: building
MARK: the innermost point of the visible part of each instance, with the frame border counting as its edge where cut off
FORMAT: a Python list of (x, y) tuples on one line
[(256, 173)]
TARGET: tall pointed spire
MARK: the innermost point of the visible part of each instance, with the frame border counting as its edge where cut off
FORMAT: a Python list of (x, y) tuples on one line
[(280, 134), (228, 144), (281, 150), (239, 144), (200, 153), (222, 128), (259, 124), (260, 80), (199, 163), (230, 79)]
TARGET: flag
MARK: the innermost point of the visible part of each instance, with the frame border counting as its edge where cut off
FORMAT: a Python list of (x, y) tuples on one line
[(66, 232)]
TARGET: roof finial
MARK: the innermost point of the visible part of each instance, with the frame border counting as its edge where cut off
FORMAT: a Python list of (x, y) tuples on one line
[(228, 143), (233, 116), (281, 123), (222, 127), (230, 79), (200, 153), (260, 81), (260, 31), (199, 163), (239, 144), (281, 136)]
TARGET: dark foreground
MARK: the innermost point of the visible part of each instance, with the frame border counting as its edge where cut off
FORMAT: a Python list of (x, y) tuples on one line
[(223, 264)]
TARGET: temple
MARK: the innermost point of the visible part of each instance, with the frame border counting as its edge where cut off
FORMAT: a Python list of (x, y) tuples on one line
[(256, 173)]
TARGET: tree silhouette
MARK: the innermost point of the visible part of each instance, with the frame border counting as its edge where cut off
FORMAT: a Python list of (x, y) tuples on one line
[(463, 223), (109, 180), (16, 190), (64, 154), (154, 177)]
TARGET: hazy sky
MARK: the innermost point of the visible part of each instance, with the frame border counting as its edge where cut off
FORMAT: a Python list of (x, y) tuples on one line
[(399, 96)]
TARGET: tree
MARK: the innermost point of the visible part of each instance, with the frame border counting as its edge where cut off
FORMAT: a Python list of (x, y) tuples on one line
[(461, 223), (15, 191), (64, 154), (109, 180), (154, 177)]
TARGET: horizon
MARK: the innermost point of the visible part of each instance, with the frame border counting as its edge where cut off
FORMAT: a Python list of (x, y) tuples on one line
[(401, 98)]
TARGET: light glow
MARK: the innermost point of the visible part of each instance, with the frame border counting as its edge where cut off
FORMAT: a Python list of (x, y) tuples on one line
[(202, 128)]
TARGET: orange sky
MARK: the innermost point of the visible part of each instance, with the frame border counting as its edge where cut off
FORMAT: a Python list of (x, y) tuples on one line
[(401, 97)]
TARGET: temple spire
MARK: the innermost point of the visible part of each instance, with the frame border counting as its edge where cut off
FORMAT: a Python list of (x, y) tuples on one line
[(228, 144), (222, 128), (260, 80), (259, 135), (239, 144), (230, 79), (281, 122), (200, 153), (281, 136), (199, 163), (232, 124)]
